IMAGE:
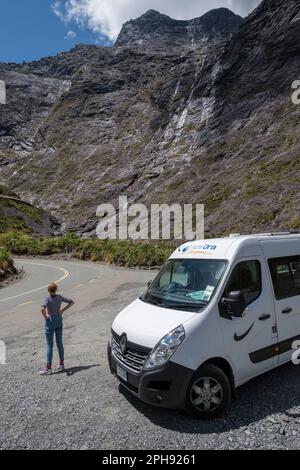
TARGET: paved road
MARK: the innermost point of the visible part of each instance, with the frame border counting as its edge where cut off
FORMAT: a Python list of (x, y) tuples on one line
[(69, 275), (84, 408), (85, 282)]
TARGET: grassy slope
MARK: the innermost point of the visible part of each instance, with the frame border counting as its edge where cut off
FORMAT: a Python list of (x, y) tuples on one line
[(22, 213), (17, 238)]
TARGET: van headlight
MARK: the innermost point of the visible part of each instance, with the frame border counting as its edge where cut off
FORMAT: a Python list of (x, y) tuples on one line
[(165, 349)]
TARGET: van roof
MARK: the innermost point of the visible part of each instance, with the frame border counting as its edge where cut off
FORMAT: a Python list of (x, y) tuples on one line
[(227, 247)]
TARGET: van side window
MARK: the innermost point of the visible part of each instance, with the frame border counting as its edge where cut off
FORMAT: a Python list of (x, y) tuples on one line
[(246, 277), (285, 274)]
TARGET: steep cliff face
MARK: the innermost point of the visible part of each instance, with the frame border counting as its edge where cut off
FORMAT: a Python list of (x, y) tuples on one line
[(30, 99), (201, 113)]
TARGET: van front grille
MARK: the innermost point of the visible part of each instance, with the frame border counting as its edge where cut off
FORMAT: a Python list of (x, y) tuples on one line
[(134, 358)]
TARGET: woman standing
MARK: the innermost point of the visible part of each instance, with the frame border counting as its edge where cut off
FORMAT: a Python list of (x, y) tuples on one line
[(52, 313)]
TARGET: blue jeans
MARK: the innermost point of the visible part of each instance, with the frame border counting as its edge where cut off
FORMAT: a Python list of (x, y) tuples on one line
[(54, 325)]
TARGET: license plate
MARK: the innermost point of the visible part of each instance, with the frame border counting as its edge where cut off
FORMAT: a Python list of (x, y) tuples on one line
[(121, 373)]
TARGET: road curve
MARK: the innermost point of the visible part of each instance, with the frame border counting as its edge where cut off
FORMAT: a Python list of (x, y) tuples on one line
[(39, 273), (35, 275), (85, 282)]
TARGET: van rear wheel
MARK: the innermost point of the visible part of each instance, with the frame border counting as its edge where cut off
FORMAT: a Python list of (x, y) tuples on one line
[(209, 393)]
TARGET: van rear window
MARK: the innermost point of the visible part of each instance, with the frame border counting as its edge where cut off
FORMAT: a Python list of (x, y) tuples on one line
[(285, 274)]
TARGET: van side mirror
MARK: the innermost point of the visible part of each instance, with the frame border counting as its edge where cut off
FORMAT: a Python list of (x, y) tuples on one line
[(149, 283), (233, 305)]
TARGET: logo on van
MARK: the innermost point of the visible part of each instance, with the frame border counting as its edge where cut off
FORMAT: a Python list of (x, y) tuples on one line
[(192, 248), (240, 338), (123, 343)]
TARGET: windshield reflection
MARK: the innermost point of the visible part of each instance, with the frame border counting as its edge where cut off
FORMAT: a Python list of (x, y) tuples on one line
[(185, 284)]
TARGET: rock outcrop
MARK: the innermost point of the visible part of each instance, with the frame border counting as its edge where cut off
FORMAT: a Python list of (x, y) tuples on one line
[(19, 216)]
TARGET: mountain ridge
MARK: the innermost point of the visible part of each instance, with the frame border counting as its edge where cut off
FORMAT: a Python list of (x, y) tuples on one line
[(211, 124), (163, 31)]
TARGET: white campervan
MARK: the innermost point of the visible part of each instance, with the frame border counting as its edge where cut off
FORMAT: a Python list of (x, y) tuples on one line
[(219, 313)]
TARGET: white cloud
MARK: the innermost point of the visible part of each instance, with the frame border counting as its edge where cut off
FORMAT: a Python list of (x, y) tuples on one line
[(57, 9), (107, 16), (70, 35)]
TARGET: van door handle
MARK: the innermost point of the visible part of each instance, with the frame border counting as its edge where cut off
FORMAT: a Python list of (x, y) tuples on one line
[(264, 317), (286, 311)]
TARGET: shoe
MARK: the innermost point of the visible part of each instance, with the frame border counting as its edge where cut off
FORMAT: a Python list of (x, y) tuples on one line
[(60, 368), (46, 371)]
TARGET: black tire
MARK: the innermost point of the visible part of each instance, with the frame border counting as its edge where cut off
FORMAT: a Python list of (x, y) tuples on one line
[(205, 401)]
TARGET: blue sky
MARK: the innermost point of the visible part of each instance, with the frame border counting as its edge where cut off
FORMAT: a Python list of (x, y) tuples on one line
[(29, 30)]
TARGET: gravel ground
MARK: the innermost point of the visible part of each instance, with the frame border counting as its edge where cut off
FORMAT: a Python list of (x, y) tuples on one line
[(85, 408)]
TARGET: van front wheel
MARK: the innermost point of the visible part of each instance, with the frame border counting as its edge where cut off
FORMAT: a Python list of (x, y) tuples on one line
[(209, 393)]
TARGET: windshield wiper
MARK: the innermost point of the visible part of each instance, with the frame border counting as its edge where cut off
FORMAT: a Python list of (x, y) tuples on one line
[(146, 298), (175, 305), (185, 306)]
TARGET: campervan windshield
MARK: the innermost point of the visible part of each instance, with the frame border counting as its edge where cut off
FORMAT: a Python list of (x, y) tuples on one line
[(185, 284)]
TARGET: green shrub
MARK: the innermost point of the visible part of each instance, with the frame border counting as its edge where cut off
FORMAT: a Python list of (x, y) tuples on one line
[(122, 253), (5, 260)]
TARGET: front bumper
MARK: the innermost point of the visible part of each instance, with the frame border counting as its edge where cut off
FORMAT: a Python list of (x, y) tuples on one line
[(165, 387)]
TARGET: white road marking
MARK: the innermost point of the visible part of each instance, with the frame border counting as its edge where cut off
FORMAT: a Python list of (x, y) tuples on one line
[(25, 303), (66, 274), (87, 264)]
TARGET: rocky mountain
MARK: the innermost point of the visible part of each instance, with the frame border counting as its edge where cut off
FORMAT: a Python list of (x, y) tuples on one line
[(157, 31), (193, 111)]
